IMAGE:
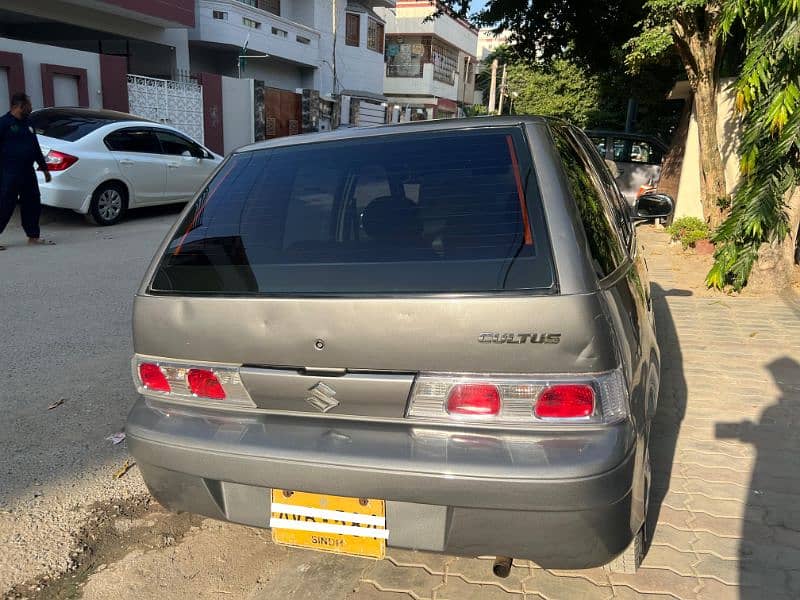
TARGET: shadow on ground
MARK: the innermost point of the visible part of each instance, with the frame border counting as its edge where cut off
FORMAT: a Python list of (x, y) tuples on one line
[(69, 219), (771, 532), (671, 403)]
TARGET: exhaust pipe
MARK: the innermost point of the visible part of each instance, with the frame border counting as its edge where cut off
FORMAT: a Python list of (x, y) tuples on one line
[(502, 566)]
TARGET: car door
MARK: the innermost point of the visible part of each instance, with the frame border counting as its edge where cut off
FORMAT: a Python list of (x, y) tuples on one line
[(638, 162), (188, 165), (138, 154)]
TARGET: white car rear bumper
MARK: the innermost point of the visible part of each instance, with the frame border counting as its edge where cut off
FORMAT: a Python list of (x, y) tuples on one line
[(65, 192)]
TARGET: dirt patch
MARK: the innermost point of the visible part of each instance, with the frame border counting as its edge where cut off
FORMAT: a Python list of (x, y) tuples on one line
[(113, 529)]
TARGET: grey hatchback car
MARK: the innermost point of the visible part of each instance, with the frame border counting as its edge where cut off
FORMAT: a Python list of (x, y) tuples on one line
[(436, 336)]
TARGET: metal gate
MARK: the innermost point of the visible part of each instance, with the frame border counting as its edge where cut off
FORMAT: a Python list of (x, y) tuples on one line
[(175, 103)]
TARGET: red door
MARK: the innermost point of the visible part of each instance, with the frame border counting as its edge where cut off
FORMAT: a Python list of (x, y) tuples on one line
[(283, 113)]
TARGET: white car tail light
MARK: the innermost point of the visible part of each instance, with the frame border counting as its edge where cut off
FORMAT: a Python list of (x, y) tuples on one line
[(188, 382), (59, 161), (510, 400)]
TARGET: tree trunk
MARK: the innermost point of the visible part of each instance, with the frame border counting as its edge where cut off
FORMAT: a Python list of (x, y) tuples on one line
[(696, 33), (775, 269), (712, 171)]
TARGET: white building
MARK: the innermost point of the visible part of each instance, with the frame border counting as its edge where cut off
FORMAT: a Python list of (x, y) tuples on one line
[(333, 48), (488, 41), (311, 64), (430, 64)]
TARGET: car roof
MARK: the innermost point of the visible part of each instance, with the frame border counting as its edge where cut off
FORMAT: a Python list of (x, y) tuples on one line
[(111, 116), (399, 128)]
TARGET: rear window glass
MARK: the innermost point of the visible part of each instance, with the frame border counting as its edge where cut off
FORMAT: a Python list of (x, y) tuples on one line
[(69, 128), (426, 213)]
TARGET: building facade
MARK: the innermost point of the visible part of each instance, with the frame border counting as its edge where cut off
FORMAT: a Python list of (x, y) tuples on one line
[(332, 50), (309, 64), (430, 63), (489, 41)]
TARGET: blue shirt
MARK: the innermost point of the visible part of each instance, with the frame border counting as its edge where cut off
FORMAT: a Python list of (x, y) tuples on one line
[(19, 148)]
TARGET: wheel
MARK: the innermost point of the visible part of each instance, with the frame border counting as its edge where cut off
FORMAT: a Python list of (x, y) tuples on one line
[(628, 562), (109, 204)]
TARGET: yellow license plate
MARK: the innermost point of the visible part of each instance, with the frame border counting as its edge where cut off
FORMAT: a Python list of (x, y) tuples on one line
[(355, 526)]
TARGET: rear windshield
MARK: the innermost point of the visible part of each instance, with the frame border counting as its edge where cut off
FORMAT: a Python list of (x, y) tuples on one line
[(67, 127), (442, 212)]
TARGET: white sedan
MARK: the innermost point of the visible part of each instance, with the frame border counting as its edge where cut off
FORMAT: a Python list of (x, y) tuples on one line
[(104, 163)]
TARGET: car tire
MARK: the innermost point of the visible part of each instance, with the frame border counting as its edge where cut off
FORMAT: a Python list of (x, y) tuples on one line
[(109, 204)]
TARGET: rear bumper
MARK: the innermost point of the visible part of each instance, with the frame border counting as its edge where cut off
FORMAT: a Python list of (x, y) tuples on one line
[(65, 191), (492, 493)]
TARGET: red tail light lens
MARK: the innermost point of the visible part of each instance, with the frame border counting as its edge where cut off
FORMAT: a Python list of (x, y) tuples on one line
[(153, 378), (59, 161), (473, 399), (565, 402), (204, 383)]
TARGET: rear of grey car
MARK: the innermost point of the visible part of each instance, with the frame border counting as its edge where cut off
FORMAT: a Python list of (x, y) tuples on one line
[(436, 336)]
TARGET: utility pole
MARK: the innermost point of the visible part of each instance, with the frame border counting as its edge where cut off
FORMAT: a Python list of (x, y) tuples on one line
[(502, 91), (493, 88)]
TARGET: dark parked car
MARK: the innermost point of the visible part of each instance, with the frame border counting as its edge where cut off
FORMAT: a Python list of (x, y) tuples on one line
[(435, 336), (637, 157)]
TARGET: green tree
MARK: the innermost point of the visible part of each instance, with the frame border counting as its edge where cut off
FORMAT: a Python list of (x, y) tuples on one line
[(560, 89), (692, 28), (763, 225), (593, 32)]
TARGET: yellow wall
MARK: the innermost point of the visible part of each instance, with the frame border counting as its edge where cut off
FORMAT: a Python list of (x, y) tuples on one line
[(728, 130)]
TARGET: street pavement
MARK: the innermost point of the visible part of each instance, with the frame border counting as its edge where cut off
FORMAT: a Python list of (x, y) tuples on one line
[(725, 512)]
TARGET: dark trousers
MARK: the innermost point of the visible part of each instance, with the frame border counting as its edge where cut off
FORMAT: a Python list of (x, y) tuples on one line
[(20, 186)]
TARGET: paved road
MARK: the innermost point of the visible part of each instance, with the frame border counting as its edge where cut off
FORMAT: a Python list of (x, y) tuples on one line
[(65, 334), (726, 509)]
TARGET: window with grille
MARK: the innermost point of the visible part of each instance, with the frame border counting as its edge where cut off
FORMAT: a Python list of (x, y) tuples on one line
[(271, 6), (444, 63), (251, 23), (405, 57), (375, 36), (353, 30)]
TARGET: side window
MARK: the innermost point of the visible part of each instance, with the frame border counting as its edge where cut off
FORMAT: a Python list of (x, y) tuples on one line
[(645, 152), (176, 145), (599, 143), (142, 141), (604, 242), (614, 199), (622, 149)]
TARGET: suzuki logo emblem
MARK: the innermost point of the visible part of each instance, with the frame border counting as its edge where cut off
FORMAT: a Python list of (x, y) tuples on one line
[(323, 397)]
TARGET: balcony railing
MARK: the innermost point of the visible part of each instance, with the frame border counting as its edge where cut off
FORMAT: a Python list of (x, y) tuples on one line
[(404, 70)]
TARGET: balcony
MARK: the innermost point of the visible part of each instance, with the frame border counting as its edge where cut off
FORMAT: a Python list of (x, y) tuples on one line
[(231, 22), (424, 84)]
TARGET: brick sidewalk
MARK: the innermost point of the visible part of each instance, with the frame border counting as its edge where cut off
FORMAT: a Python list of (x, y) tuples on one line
[(726, 458)]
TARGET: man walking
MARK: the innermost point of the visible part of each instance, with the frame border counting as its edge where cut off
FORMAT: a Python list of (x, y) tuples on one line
[(19, 149)]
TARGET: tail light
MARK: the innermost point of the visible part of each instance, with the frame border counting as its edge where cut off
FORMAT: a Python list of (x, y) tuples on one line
[(204, 384), (153, 378), (595, 399), (473, 400), (59, 161), (565, 402), (191, 383)]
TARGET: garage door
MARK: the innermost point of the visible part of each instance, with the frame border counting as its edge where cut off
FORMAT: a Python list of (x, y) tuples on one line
[(371, 113)]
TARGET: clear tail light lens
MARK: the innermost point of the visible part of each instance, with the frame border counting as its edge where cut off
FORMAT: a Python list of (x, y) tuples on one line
[(565, 402), (59, 161), (515, 401), (473, 400), (204, 384), (191, 383)]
